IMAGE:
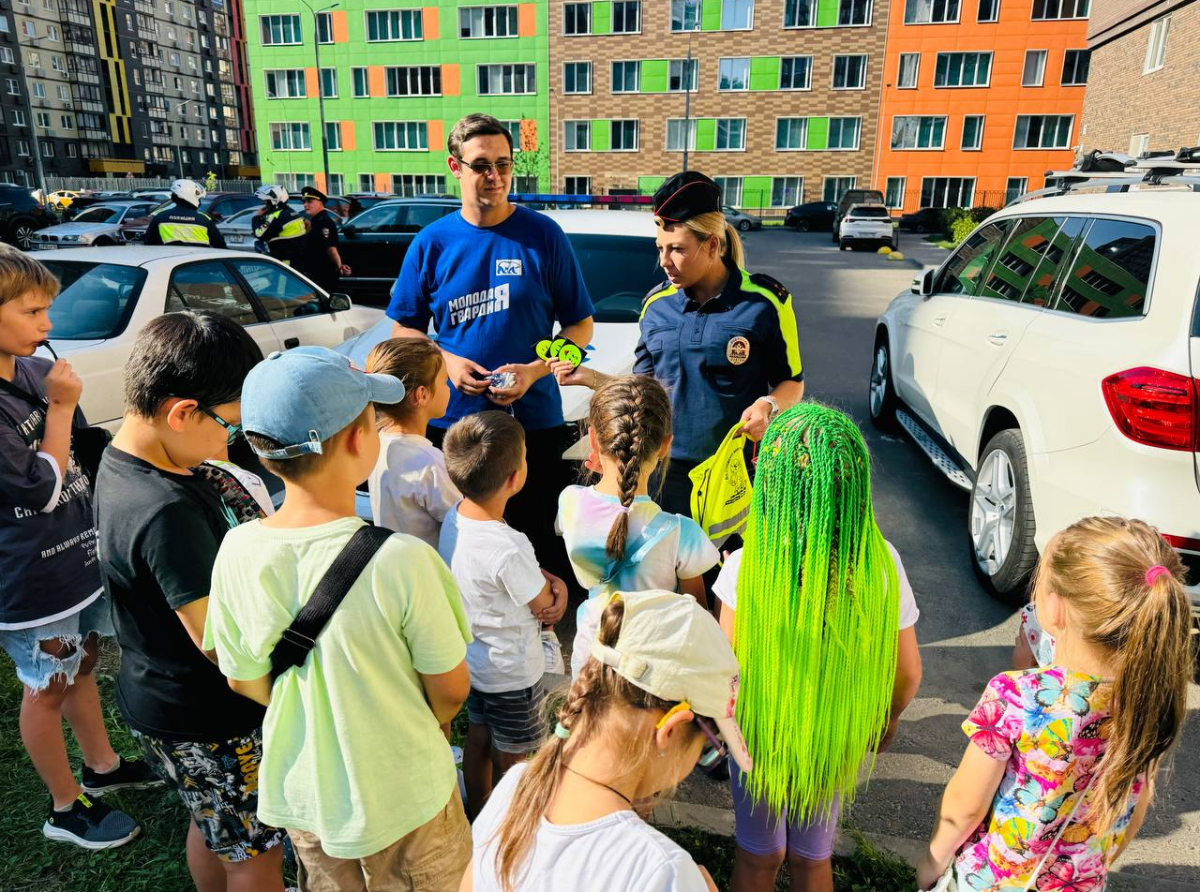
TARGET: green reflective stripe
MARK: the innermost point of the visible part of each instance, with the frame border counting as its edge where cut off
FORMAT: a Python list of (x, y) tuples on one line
[(292, 229), (188, 233), (670, 289), (787, 321)]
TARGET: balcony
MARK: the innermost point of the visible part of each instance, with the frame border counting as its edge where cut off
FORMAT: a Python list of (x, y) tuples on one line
[(154, 86), (83, 49), (160, 139), (144, 6), (93, 133), (150, 60), (83, 77), (157, 113)]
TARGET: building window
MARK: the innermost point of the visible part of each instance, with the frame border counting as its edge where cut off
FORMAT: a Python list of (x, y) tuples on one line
[(328, 83), (790, 134), (685, 15), (849, 72), (731, 190), (786, 191), (67, 122), (835, 187), (626, 17), (401, 136), (6, 55), (39, 90), (1015, 188), (333, 136), (919, 132), (577, 136), (676, 128), (47, 150), (324, 27), (625, 76), (506, 80), (394, 24), (280, 30), (1060, 9), (1034, 74), (366, 182), (623, 136), (514, 132), (682, 78), (854, 12), (577, 77), (972, 136), (731, 134), (795, 73), (418, 184), (42, 119), (910, 65), (989, 11), (487, 21), (337, 183), (843, 133), (734, 74), (947, 192), (1139, 145), (577, 185), (419, 80), (290, 136), (799, 14), (362, 86), (72, 152), (1043, 131), (23, 148), (930, 12), (737, 15), (577, 19), (962, 70), (1156, 47), (10, 84), (893, 195), (1075, 68)]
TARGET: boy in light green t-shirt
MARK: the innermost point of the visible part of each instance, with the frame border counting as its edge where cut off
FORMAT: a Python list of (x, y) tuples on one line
[(354, 766)]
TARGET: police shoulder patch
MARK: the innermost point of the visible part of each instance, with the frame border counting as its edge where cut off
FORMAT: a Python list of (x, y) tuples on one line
[(772, 284), (661, 286)]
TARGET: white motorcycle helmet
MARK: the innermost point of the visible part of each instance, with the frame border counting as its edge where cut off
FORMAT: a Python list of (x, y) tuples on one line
[(272, 195), (189, 191)]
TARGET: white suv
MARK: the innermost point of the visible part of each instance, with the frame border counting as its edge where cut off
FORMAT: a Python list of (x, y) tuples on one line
[(866, 223), (1049, 366)]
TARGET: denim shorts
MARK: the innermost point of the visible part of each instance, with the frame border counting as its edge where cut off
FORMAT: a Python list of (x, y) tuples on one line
[(762, 831), (36, 668)]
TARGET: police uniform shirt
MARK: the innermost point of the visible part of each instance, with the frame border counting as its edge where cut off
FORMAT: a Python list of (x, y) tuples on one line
[(182, 224), (717, 358), (322, 235)]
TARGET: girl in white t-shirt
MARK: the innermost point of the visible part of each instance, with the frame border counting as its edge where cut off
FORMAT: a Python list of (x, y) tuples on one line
[(617, 538), (662, 679), (410, 489)]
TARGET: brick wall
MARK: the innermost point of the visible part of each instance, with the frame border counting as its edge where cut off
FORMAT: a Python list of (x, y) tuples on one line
[(621, 170), (1122, 101)]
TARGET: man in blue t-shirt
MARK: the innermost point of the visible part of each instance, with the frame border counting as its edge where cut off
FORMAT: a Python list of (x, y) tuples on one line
[(494, 278)]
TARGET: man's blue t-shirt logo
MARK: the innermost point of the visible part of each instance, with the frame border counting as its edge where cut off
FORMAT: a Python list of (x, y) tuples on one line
[(509, 268)]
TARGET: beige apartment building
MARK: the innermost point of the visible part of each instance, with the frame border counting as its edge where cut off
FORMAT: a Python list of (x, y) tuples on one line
[(783, 103)]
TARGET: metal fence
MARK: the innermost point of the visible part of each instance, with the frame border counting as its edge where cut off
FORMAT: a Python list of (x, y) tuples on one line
[(131, 184)]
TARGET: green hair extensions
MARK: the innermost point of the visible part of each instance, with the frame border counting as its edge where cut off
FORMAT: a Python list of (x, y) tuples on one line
[(817, 614)]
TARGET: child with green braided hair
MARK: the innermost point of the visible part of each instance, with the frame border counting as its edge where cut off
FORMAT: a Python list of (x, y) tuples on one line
[(821, 616)]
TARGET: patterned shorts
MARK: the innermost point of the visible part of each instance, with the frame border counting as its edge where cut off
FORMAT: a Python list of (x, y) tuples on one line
[(514, 717), (218, 783)]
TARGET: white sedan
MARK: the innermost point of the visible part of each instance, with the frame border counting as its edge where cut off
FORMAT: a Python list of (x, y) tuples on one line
[(108, 295)]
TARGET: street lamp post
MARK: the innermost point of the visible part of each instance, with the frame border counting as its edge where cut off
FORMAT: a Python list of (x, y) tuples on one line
[(33, 130), (687, 95), (179, 148), (320, 86)]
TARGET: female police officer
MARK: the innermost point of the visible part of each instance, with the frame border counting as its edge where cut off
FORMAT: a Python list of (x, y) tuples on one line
[(721, 340)]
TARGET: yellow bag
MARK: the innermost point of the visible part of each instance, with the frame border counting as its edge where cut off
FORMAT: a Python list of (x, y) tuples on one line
[(721, 489)]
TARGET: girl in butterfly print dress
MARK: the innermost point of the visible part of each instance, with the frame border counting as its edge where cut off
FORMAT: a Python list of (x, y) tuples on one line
[(1095, 722)]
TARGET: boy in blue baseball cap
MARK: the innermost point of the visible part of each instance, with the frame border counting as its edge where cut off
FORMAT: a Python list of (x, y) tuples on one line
[(355, 765)]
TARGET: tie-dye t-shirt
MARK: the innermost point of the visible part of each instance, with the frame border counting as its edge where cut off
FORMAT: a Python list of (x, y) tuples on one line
[(1050, 726)]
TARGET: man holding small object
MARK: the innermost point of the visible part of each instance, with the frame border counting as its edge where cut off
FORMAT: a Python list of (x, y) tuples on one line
[(494, 279)]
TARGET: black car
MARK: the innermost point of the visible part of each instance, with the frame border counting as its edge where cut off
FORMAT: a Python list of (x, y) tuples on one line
[(815, 216), (20, 215), (923, 220), (374, 243)]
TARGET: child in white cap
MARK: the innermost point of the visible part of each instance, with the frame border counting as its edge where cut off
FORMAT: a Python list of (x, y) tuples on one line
[(661, 682)]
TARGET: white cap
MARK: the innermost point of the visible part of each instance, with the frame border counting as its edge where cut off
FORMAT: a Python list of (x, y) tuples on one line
[(672, 647)]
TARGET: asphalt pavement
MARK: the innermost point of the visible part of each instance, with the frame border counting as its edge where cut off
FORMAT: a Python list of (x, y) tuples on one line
[(966, 636)]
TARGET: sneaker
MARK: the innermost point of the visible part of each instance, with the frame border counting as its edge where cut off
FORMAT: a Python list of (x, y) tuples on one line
[(129, 774), (91, 825)]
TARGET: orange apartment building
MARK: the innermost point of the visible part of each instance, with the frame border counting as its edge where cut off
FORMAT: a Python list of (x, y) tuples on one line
[(979, 99)]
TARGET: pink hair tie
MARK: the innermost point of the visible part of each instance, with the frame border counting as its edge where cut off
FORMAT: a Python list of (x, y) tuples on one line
[(1154, 572)]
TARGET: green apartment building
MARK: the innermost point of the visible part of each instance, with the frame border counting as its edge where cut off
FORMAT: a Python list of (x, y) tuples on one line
[(395, 75)]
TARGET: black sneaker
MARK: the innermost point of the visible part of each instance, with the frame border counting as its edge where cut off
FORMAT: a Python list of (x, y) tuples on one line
[(128, 775), (91, 825)]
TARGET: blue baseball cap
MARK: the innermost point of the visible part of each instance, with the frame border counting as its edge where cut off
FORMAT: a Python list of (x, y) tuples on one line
[(306, 395)]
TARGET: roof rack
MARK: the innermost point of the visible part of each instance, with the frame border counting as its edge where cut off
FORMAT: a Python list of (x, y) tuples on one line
[(1113, 173)]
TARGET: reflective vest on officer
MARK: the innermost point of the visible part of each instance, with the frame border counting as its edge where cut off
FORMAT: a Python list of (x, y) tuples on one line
[(283, 231), (183, 224)]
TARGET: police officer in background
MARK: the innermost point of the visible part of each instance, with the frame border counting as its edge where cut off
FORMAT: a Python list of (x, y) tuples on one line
[(278, 227), (322, 262), (182, 223)]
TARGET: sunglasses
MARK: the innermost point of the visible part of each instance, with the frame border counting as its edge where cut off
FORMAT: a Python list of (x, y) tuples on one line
[(709, 757), (232, 431), (483, 168)]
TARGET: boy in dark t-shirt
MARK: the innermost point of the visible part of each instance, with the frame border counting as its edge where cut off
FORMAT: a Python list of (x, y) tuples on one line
[(159, 523), (52, 608)]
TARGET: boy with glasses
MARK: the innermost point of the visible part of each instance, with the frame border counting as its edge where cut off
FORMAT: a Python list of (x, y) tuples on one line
[(494, 279)]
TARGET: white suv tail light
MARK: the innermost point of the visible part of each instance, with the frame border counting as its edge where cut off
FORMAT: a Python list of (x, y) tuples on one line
[(1154, 407)]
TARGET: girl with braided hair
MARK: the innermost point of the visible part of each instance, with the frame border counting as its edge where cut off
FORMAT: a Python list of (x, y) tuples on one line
[(821, 616), (617, 538), (662, 679)]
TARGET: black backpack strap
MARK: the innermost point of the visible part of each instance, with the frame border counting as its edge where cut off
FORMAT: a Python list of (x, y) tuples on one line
[(22, 394), (301, 636)]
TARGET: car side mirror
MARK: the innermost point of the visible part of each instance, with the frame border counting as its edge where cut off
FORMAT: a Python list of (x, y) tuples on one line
[(338, 303), (923, 284), (350, 231)]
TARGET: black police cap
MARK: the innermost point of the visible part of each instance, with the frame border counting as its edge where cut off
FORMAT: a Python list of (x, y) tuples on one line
[(312, 192), (686, 195)]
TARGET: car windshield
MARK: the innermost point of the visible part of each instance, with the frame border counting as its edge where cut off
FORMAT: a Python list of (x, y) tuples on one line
[(619, 270), (243, 214), (95, 300), (99, 214), (869, 210)]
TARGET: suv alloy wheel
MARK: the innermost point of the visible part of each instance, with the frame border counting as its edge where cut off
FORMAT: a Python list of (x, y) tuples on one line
[(1001, 519)]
